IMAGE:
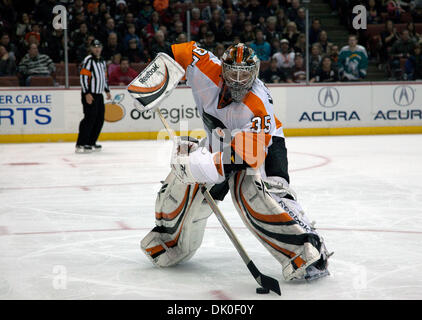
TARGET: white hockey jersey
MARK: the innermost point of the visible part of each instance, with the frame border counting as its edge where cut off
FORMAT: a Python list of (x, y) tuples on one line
[(251, 123)]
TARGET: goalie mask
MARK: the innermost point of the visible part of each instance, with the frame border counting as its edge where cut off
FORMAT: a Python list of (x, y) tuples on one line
[(240, 69)]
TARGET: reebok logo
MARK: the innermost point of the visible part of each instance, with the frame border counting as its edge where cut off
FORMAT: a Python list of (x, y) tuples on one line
[(149, 73)]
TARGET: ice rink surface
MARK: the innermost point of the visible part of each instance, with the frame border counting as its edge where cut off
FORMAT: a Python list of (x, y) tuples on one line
[(70, 224)]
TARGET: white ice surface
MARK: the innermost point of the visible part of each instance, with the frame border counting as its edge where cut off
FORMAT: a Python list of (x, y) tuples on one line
[(70, 224)]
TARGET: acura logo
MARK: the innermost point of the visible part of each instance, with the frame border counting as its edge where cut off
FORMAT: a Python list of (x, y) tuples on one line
[(403, 95), (328, 97)]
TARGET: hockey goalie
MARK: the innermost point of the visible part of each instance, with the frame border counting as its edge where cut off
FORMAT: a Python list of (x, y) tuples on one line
[(243, 153)]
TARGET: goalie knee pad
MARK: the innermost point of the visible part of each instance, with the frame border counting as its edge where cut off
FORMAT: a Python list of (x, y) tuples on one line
[(180, 214), (278, 224)]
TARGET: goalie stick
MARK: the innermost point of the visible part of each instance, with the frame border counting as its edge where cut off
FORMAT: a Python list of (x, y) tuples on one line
[(146, 93)]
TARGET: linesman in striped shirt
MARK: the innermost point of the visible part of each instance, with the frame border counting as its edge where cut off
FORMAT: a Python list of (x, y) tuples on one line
[(94, 81)]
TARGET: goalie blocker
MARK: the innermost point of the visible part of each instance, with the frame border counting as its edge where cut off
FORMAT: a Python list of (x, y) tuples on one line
[(155, 82)]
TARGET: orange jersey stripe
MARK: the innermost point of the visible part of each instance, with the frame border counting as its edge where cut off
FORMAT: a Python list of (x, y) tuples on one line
[(182, 53), (278, 124), (251, 147), (255, 104), (211, 69)]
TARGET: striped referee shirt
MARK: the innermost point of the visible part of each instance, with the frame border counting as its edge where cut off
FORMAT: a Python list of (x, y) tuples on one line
[(93, 75)]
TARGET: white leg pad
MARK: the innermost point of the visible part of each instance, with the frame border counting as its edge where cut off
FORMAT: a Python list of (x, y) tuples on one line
[(181, 215), (279, 226)]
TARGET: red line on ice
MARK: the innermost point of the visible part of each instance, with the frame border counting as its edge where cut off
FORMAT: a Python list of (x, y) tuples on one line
[(220, 294), (125, 227)]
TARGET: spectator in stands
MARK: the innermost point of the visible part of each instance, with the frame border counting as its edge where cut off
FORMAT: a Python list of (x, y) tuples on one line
[(300, 20), (273, 74), (372, 14), (414, 36), (314, 31), (291, 33), (388, 37), (271, 31), (300, 45), (78, 36), (281, 20), (208, 11), (417, 12), (240, 21), (285, 58), (9, 46), (182, 38), (122, 75), (115, 63), (244, 6), (325, 72), (216, 23), (203, 30), (7, 63), (413, 65), (209, 42), (131, 34), (35, 64), (226, 35), (219, 50), (258, 10), (153, 26), (261, 47), (195, 22), (159, 45), (334, 55), (23, 26), (109, 28), (292, 11), (297, 74), (353, 61), (402, 49), (145, 13), (275, 46), (112, 47), (123, 28), (54, 46), (83, 50), (121, 11), (272, 7), (324, 43), (394, 8), (248, 34), (135, 52), (315, 58), (175, 32)]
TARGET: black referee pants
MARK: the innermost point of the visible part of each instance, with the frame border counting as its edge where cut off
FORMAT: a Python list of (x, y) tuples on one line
[(92, 123)]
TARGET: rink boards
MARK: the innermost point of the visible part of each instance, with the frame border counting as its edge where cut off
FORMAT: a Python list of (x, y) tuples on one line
[(38, 115)]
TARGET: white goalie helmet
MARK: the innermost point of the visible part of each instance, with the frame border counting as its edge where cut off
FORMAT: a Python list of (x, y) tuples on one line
[(240, 69)]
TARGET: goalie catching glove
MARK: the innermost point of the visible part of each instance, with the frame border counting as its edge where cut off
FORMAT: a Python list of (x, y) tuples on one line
[(192, 163)]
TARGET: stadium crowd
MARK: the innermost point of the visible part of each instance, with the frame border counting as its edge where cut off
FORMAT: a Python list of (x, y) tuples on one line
[(134, 31)]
